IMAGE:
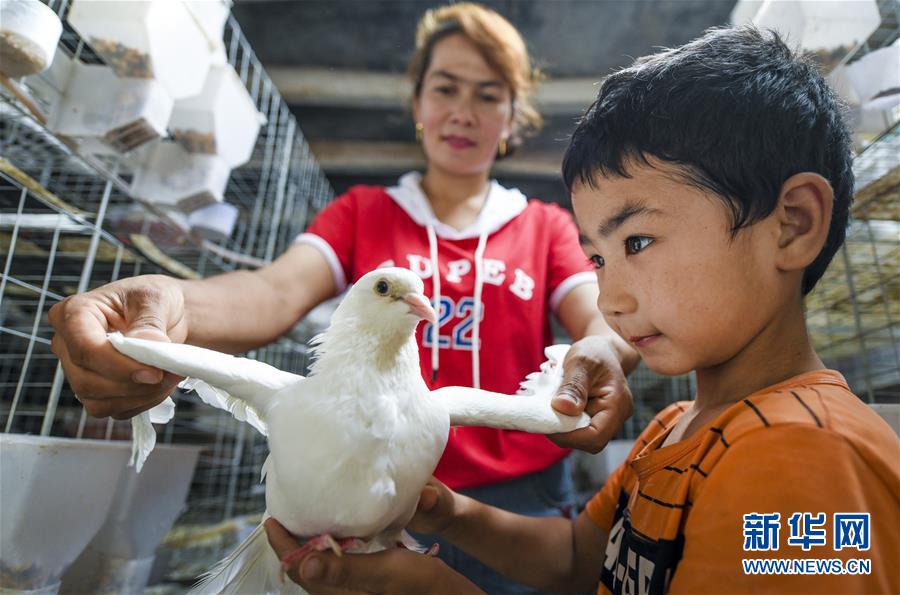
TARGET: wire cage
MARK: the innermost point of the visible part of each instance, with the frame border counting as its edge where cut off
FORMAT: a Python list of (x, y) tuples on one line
[(68, 225)]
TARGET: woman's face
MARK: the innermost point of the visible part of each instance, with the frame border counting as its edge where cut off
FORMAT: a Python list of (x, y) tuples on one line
[(465, 108)]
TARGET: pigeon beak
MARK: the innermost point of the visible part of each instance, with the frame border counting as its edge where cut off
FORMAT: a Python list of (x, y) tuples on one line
[(419, 305)]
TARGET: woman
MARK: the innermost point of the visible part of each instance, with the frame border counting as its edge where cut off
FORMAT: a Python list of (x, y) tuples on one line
[(495, 264)]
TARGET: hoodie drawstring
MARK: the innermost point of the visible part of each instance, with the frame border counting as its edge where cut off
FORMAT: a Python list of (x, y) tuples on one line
[(436, 284), (476, 320), (476, 312)]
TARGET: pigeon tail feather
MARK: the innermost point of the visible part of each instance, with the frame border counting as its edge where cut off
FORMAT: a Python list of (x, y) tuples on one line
[(252, 567)]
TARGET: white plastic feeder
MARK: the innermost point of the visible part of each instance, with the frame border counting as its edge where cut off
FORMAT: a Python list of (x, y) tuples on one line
[(146, 39), (215, 222), (29, 32), (55, 493), (210, 16), (827, 29), (222, 120), (123, 113), (119, 558), (173, 178)]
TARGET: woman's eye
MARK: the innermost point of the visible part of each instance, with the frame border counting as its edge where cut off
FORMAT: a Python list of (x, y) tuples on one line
[(444, 90), (635, 244), (597, 261)]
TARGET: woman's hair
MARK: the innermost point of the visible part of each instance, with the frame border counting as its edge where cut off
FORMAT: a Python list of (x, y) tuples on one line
[(499, 43)]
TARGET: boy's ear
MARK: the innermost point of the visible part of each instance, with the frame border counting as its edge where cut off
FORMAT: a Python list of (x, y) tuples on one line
[(803, 216)]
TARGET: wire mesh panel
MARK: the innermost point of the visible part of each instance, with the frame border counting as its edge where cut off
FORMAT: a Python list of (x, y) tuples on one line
[(68, 224), (854, 312)]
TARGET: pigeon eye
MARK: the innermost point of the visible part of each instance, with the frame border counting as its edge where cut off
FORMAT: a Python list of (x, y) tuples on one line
[(382, 287)]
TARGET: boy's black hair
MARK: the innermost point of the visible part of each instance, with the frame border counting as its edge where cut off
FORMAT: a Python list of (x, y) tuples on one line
[(737, 112)]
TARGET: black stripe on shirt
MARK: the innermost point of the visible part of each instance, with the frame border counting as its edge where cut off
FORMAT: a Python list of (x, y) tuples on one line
[(675, 469), (721, 435), (811, 412), (699, 470), (661, 503), (749, 404)]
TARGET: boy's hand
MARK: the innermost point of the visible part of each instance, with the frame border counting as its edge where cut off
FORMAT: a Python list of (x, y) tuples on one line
[(436, 509), (593, 382), (392, 571)]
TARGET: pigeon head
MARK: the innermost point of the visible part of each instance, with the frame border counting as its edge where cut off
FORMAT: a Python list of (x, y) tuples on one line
[(389, 297)]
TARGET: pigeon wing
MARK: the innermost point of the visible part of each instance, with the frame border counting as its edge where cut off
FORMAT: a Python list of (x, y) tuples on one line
[(529, 410), (238, 385)]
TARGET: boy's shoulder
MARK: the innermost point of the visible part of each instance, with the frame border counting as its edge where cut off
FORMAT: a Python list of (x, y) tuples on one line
[(814, 414)]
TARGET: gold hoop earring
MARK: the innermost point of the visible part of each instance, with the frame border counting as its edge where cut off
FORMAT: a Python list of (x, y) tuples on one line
[(419, 129), (501, 150)]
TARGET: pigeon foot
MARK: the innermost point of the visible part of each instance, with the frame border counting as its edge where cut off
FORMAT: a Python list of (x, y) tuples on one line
[(320, 543)]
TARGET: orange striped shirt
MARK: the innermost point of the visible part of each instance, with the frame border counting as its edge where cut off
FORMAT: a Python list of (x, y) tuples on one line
[(675, 515)]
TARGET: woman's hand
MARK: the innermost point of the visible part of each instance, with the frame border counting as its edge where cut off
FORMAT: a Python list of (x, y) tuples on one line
[(106, 382), (593, 382), (392, 571)]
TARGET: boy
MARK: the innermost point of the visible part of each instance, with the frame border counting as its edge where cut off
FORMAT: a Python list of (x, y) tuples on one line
[(711, 184)]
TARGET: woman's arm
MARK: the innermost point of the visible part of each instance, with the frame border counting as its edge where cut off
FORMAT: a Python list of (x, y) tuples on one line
[(232, 312), (239, 311)]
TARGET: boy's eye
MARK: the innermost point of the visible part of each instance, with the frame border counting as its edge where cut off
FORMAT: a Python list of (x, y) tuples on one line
[(597, 261), (635, 244), (490, 98)]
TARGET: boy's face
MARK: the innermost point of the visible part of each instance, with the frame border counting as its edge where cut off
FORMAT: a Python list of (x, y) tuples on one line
[(673, 281)]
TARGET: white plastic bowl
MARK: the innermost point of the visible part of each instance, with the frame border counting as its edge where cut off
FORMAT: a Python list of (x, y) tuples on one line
[(119, 557), (29, 32), (55, 494)]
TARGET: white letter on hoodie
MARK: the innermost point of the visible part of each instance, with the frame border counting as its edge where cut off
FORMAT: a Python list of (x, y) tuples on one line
[(494, 271), (523, 286), (458, 268), (419, 265)]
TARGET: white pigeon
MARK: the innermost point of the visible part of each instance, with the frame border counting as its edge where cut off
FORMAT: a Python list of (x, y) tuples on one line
[(352, 445)]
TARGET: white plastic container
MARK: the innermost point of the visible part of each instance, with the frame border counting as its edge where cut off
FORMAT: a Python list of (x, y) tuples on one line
[(214, 222), (29, 32), (146, 39), (826, 29), (173, 178), (55, 494), (119, 557), (210, 16), (222, 120), (123, 113)]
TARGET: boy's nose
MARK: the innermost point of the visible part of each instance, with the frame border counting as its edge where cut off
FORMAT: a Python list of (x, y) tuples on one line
[(616, 297)]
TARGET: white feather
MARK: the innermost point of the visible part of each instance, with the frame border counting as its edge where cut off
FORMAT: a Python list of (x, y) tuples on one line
[(143, 435), (252, 567), (143, 440), (218, 398), (240, 377), (529, 410)]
